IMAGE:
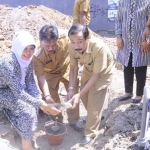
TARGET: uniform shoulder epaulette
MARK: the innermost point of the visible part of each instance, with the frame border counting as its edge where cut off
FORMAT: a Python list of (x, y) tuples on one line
[(38, 51)]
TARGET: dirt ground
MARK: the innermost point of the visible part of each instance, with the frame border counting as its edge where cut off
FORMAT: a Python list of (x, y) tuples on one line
[(121, 119)]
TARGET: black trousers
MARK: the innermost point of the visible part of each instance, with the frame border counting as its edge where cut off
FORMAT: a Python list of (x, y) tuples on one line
[(140, 73)]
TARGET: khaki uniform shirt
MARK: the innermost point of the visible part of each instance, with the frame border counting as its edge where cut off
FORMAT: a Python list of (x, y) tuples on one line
[(97, 58), (81, 5), (54, 66)]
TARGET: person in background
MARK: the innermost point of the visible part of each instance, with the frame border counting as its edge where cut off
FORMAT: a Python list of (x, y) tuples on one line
[(98, 62), (81, 12), (132, 29), (19, 96), (51, 66)]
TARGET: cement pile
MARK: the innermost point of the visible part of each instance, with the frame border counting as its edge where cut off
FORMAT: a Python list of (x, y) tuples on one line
[(30, 18)]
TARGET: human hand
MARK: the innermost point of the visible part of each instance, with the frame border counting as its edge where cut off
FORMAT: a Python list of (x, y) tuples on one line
[(120, 43), (75, 100), (145, 47), (53, 110), (50, 109), (146, 34)]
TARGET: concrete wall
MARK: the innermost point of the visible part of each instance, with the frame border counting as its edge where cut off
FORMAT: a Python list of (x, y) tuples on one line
[(99, 10)]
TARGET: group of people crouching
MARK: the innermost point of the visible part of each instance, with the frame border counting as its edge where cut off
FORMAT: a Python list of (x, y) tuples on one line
[(56, 60)]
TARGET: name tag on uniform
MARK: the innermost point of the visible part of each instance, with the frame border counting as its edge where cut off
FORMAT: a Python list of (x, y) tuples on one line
[(48, 61)]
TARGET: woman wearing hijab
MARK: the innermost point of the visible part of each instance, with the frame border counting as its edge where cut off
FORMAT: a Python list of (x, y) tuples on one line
[(19, 96)]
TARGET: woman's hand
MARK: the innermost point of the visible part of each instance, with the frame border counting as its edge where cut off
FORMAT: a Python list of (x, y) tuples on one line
[(145, 47), (120, 43), (75, 100), (146, 43), (50, 109)]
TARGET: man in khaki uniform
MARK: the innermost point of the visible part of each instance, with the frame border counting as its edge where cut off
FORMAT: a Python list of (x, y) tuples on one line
[(51, 66), (98, 61), (81, 12)]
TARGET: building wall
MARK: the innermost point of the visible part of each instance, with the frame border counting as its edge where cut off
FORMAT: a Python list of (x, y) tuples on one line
[(99, 10)]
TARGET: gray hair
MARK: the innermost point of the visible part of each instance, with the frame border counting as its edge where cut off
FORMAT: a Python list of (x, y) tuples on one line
[(77, 28)]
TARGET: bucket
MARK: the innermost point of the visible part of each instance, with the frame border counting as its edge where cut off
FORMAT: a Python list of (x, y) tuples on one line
[(55, 138)]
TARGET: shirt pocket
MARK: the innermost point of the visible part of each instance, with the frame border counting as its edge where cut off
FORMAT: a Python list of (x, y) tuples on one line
[(89, 66)]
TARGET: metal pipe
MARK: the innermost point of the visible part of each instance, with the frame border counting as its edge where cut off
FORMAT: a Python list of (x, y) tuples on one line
[(142, 140)]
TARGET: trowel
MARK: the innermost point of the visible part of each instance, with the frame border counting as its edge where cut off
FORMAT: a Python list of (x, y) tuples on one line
[(55, 127), (63, 106)]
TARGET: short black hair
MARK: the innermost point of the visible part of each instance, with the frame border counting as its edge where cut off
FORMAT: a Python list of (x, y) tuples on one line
[(77, 28), (48, 32)]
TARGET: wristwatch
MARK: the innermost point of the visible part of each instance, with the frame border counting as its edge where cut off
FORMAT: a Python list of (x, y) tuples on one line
[(71, 88), (47, 96)]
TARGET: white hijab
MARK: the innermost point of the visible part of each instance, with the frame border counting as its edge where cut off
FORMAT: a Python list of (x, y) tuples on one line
[(21, 40)]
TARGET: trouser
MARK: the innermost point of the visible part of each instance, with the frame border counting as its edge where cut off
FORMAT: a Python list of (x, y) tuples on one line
[(93, 102), (73, 114), (140, 73)]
